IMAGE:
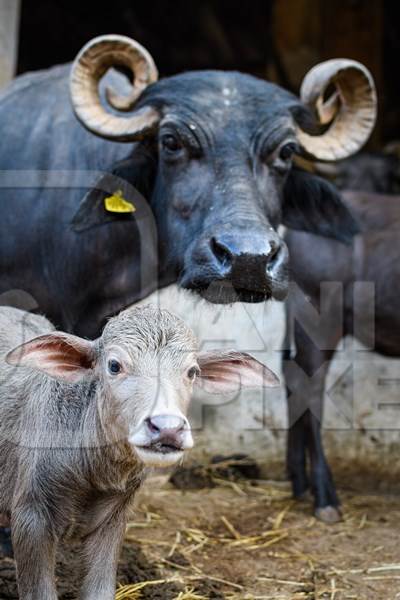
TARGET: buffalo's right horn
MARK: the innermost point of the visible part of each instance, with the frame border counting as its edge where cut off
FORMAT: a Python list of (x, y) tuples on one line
[(90, 65)]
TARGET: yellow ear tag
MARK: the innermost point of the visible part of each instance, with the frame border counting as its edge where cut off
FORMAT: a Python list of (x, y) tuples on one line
[(117, 203)]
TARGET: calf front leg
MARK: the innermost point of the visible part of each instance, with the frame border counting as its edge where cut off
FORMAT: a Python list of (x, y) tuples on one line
[(34, 551), (100, 553)]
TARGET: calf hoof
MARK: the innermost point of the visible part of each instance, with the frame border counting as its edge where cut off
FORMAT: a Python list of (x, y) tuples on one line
[(328, 514), (5, 542)]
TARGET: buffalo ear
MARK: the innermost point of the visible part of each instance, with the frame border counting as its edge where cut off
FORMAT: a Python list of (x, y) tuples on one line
[(65, 357), (229, 370), (312, 204), (126, 178)]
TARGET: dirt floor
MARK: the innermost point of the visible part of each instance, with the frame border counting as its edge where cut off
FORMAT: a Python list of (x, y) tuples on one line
[(247, 539)]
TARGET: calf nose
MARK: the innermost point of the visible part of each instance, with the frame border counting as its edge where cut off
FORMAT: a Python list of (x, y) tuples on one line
[(166, 429)]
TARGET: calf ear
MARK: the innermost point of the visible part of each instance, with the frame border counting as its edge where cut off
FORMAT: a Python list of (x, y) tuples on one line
[(60, 355), (127, 181), (229, 370), (312, 204)]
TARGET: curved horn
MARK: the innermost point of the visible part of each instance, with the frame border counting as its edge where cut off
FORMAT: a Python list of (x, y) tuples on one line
[(349, 112), (90, 65)]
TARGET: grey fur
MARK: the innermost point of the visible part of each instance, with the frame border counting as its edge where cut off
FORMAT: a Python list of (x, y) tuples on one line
[(60, 475), (75, 438)]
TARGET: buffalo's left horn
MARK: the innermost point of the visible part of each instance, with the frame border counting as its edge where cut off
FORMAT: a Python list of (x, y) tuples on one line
[(349, 114), (90, 65)]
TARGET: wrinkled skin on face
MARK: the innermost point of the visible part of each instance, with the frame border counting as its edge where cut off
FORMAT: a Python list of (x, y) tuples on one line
[(224, 156), (214, 176), (221, 164)]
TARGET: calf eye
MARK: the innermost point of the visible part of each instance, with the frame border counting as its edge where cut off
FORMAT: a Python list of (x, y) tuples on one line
[(287, 151), (171, 143), (192, 372), (114, 367)]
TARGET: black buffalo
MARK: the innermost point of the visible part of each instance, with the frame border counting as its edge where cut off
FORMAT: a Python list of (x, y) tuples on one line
[(210, 161), (377, 172), (369, 313), (209, 171)]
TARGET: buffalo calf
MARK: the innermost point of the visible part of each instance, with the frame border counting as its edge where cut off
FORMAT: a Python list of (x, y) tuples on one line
[(79, 422)]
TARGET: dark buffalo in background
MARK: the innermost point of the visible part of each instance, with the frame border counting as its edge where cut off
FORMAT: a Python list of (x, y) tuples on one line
[(377, 172), (209, 158), (374, 257)]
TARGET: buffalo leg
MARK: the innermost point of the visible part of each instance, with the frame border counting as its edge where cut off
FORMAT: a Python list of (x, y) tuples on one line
[(305, 377), (323, 489), (296, 459)]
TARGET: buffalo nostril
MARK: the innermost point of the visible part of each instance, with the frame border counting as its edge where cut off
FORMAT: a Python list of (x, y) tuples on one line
[(221, 252), (273, 253)]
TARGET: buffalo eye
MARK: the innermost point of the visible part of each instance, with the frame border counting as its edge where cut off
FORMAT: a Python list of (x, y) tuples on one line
[(287, 151), (114, 367), (183, 208), (192, 372), (171, 143), (185, 212)]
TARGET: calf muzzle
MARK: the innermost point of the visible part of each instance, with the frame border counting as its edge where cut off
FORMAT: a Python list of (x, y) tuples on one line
[(166, 433)]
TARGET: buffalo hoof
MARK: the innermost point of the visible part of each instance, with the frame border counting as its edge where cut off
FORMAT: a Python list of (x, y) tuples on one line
[(5, 542), (328, 514), (304, 497)]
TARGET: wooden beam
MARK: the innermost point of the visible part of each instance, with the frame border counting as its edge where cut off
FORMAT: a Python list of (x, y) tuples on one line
[(9, 24), (354, 29), (297, 38)]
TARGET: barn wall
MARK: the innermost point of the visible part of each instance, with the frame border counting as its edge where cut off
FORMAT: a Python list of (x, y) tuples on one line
[(362, 398), (268, 38), (9, 19)]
